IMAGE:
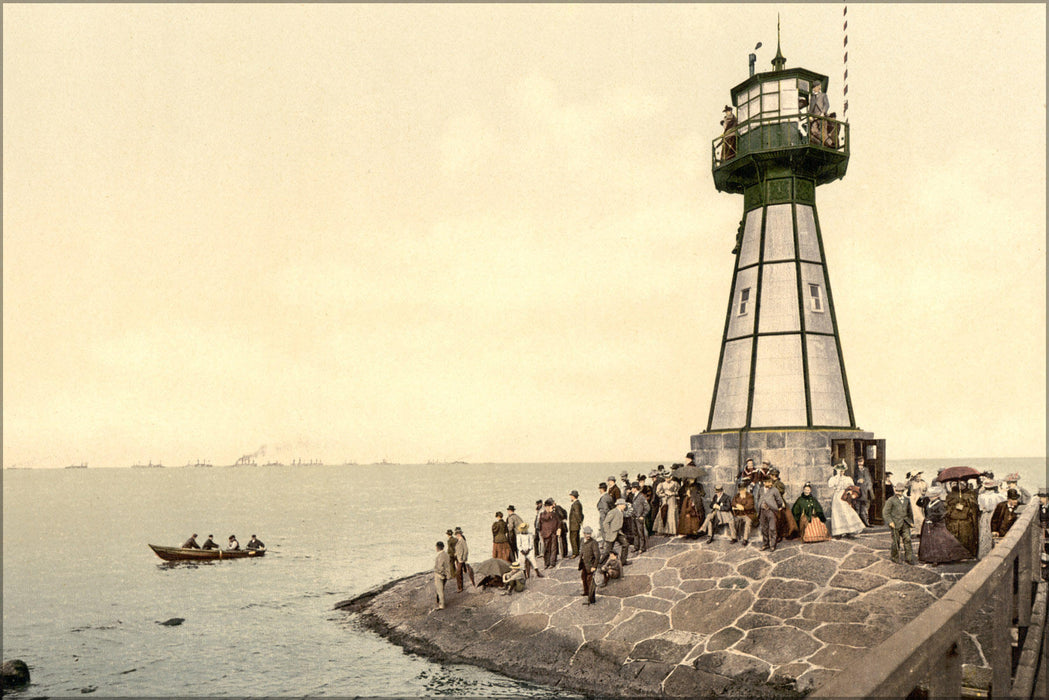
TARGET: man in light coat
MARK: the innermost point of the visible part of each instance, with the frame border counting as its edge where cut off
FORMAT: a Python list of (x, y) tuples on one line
[(442, 571), (612, 528), (462, 557)]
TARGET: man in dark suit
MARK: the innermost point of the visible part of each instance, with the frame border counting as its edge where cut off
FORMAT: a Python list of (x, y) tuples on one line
[(1005, 514), (641, 507), (863, 480), (210, 543), (613, 490), (897, 514), (513, 524), (550, 529), (562, 538), (575, 521), (744, 516), (589, 559), (720, 513)]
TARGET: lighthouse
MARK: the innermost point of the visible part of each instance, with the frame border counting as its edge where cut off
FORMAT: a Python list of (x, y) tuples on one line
[(781, 393)]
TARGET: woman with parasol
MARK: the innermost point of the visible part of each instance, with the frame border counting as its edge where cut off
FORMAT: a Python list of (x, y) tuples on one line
[(938, 545), (962, 512)]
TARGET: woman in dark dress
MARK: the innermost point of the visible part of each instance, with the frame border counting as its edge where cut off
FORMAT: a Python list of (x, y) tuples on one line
[(692, 510), (807, 511), (963, 520), (500, 538), (938, 545)]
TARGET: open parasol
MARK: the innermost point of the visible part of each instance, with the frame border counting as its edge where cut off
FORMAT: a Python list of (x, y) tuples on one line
[(491, 567), (689, 471), (958, 474)]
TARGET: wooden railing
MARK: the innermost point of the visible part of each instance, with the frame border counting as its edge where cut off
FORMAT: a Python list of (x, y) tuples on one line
[(925, 652)]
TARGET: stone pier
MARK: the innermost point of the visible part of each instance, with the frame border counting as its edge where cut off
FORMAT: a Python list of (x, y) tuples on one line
[(687, 619)]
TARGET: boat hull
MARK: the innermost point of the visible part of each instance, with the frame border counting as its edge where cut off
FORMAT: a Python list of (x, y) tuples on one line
[(182, 554)]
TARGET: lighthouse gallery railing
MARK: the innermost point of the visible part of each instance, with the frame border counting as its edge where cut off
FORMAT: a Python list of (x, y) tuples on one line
[(925, 651), (776, 133)]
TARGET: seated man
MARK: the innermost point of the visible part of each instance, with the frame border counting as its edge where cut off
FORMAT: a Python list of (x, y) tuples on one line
[(720, 514), (191, 543), (514, 579), (233, 544), (744, 516), (255, 543), (210, 543), (612, 568)]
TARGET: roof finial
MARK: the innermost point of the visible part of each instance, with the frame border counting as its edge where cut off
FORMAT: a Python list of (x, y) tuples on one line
[(778, 62)]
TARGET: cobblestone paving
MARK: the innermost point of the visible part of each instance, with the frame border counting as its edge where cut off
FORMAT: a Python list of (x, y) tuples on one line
[(687, 617)]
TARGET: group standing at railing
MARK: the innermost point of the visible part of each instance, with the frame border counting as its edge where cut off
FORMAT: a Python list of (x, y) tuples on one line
[(956, 519), (820, 124)]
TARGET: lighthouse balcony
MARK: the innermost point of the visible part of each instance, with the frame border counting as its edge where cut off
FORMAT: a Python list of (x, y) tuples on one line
[(811, 146)]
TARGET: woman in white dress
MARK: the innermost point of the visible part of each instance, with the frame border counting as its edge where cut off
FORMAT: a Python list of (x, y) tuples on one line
[(843, 517), (666, 519), (988, 499), (916, 489)]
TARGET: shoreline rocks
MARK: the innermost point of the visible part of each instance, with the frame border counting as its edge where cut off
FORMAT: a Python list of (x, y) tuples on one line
[(14, 674), (688, 619)]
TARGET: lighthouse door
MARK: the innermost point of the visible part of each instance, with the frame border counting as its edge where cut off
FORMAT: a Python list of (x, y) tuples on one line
[(874, 457)]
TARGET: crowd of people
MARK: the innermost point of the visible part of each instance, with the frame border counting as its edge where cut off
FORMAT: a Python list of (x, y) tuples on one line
[(955, 520)]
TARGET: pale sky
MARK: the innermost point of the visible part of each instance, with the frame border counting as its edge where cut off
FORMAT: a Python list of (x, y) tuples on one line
[(365, 232)]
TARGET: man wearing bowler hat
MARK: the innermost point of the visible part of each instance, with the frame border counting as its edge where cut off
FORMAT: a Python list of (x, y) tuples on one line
[(575, 521), (728, 143), (612, 528), (898, 515), (513, 523), (720, 514), (589, 560)]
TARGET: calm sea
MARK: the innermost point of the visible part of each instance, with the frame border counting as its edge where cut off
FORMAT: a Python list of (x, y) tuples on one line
[(82, 593)]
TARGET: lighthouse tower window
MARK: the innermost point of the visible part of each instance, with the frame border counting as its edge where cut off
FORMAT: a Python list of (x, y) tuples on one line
[(744, 298), (816, 298)]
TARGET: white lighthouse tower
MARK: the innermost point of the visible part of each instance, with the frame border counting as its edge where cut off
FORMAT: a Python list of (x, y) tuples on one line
[(781, 392)]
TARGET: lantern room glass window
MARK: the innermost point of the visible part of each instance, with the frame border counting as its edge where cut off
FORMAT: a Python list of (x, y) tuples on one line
[(770, 99)]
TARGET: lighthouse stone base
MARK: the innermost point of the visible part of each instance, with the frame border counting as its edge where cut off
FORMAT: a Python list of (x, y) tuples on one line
[(801, 455)]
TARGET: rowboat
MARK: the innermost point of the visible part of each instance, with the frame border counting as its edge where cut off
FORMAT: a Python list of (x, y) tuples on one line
[(186, 554)]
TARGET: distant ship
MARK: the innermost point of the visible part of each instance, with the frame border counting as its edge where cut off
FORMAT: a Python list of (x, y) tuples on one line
[(273, 464), (158, 465), (246, 462), (311, 463), (198, 463), (349, 464), (82, 465)]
